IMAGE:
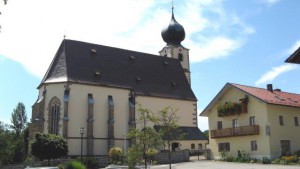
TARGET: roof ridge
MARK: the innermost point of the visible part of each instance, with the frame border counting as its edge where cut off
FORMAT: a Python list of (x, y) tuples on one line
[(129, 50), (263, 88)]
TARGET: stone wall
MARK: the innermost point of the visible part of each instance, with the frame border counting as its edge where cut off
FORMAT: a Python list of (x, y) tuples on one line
[(176, 157), (20, 166)]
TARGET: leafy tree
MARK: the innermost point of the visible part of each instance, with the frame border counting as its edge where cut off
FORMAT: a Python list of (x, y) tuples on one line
[(55, 146), (6, 144), (144, 136), (14, 143), (206, 133), (19, 119), (167, 120)]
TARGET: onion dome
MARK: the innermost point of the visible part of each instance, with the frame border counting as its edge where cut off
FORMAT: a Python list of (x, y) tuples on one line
[(174, 33)]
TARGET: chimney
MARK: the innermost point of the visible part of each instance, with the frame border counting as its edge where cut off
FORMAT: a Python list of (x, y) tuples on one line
[(277, 90), (270, 87)]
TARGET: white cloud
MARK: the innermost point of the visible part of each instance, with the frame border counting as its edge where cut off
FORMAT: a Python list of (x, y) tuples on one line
[(32, 30), (215, 47), (275, 72)]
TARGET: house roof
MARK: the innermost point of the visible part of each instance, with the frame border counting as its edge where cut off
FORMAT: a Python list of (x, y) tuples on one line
[(187, 133), (146, 74), (276, 97), (192, 133), (295, 57)]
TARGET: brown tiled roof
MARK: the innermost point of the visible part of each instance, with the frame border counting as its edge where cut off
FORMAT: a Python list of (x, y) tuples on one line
[(275, 97), (146, 74)]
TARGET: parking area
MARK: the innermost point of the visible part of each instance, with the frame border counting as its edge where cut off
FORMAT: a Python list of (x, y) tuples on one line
[(207, 164)]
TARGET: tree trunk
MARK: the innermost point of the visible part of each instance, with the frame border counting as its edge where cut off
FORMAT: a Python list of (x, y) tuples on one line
[(170, 161)]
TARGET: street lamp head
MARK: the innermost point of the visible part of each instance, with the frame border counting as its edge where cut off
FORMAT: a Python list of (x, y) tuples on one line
[(81, 130)]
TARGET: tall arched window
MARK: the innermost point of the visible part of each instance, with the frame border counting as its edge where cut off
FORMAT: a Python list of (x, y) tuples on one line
[(54, 116)]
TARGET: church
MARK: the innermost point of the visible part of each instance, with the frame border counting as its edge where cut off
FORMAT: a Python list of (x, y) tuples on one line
[(90, 93)]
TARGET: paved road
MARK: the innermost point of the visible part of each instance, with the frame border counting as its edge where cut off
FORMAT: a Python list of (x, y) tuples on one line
[(205, 164)]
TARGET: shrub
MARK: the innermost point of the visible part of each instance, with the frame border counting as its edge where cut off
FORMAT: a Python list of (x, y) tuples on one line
[(133, 157), (243, 156), (55, 146), (289, 159), (266, 160), (230, 158), (223, 155), (297, 153), (276, 161), (116, 155), (90, 162), (151, 154), (74, 164)]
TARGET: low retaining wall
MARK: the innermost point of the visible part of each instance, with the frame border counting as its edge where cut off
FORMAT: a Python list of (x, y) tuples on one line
[(176, 157), (103, 161)]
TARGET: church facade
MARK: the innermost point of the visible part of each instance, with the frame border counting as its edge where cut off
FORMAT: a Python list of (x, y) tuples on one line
[(90, 92)]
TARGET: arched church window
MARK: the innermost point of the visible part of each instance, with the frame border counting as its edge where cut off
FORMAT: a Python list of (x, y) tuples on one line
[(54, 115)]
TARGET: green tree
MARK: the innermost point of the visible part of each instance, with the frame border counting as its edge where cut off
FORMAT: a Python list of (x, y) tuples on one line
[(19, 119), (167, 120), (55, 146), (206, 133), (144, 136), (6, 144)]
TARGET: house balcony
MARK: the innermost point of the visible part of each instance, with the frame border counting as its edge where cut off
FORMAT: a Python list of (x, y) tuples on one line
[(235, 132)]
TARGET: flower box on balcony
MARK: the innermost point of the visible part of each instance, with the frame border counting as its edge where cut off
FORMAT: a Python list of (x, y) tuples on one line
[(232, 108)]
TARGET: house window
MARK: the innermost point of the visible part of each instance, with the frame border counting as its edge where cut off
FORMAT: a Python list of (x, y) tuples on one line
[(253, 146), (224, 147), (296, 121), (252, 121), (235, 123), (281, 120), (219, 125), (285, 147), (193, 146), (200, 146), (180, 57)]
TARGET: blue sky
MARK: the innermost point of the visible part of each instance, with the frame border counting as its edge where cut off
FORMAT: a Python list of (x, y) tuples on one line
[(236, 41)]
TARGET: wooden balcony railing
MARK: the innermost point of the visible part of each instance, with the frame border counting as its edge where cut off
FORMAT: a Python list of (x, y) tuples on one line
[(235, 132)]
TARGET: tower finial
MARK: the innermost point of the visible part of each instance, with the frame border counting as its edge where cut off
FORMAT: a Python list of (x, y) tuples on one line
[(172, 6)]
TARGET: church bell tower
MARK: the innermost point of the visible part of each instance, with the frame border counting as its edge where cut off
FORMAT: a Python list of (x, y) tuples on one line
[(173, 35)]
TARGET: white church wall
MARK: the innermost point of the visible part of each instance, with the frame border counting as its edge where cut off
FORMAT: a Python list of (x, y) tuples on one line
[(53, 90), (78, 113), (185, 108)]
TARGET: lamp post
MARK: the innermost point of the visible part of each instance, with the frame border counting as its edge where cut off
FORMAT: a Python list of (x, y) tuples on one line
[(81, 132)]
